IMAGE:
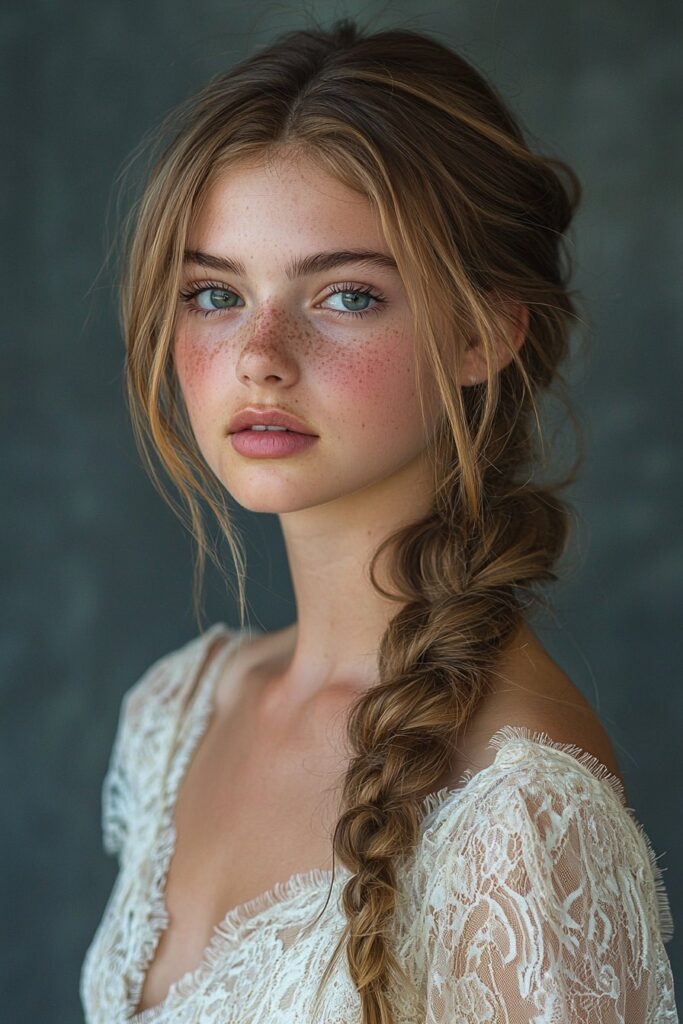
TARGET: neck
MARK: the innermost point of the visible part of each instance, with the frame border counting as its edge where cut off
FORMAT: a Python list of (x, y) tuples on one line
[(341, 618)]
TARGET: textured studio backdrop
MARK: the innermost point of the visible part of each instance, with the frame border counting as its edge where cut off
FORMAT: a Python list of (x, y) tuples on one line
[(97, 571)]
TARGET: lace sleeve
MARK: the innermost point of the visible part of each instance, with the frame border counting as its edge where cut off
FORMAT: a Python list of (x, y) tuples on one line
[(120, 785), (548, 908), (116, 790)]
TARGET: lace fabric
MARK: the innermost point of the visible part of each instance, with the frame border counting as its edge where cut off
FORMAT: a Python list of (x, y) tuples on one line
[(533, 895)]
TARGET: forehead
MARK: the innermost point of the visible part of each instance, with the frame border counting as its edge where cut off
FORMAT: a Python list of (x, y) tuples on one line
[(289, 202)]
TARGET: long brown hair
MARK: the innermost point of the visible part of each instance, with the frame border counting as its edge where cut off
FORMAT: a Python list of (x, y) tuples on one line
[(473, 218)]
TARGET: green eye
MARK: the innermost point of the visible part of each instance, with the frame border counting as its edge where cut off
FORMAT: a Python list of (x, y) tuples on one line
[(356, 300), (220, 298), (209, 300)]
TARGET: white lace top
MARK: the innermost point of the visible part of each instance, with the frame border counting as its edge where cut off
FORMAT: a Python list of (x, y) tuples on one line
[(533, 894)]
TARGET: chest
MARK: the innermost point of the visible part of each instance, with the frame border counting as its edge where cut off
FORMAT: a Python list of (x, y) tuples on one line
[(256, 806)]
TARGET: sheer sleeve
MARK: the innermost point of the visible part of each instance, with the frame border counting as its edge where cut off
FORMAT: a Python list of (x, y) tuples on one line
[(116, 789), (150, 713), (129, 761), (546, 905)]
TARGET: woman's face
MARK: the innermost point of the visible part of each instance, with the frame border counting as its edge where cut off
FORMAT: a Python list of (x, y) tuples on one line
[(332, 346)]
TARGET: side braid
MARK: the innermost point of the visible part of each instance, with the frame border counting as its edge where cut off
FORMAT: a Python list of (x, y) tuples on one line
[(435, 663)]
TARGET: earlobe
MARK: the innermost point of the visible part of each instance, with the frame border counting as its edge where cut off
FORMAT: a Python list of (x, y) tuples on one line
[(513, 327)]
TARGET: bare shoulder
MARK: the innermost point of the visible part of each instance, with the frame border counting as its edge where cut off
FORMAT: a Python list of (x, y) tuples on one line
[(532, 690)]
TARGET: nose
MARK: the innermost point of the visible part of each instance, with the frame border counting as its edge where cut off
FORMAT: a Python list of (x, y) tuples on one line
[(267, 352)]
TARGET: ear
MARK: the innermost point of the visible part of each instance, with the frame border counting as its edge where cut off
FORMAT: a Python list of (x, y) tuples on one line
[(513, 324)]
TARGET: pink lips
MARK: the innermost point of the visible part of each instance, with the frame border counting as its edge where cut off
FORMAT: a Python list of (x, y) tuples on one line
[(271, 444)]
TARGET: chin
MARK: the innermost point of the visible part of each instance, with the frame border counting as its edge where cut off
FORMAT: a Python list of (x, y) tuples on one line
[(272, 496)]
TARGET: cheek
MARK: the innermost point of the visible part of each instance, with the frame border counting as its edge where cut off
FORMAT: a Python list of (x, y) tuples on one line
[(374, 384), (198, 370)]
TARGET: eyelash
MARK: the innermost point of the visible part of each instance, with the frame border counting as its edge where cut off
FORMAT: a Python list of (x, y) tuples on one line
[(203, 286)]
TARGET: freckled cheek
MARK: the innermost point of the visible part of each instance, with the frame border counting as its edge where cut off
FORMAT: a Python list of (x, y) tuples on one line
[(197, 370), (374, 386)]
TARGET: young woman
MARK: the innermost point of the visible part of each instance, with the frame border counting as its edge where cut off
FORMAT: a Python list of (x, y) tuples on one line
[(345, 292)]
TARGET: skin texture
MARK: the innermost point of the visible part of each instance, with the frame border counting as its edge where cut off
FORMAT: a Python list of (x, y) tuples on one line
[(294, 344)]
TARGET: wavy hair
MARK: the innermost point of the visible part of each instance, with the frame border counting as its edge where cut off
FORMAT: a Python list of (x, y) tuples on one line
[(475, 221)]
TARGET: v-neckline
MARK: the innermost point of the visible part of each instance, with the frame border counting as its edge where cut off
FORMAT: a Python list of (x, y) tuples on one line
[(195, 722)]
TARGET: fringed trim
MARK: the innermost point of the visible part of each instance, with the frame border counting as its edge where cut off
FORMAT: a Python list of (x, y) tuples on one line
[(513, 733), (228, 930), (663, 907), (434, 800), (156, 921), (226, 934)]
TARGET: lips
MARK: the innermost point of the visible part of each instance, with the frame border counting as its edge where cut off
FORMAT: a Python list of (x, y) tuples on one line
[(271, 444)]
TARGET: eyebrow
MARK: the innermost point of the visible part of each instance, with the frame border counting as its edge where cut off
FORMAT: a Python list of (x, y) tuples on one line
[(315, 263)]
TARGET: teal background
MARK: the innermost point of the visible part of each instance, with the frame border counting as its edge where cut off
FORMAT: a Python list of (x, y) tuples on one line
[(96, 569)]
